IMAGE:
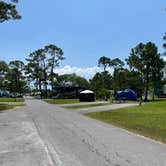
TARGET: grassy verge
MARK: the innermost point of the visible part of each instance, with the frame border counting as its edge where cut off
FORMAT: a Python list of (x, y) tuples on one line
[(11, 99), (148, 120), (4, 107), (61, 101), (87, 105)]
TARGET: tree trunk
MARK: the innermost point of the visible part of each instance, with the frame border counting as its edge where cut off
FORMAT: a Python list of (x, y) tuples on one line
[(140, 101), (146, 87), (45, 79), (146, 93), (40, 88), (52, 79), (45, 87), (52, 84), (52, 73), (153, 96)]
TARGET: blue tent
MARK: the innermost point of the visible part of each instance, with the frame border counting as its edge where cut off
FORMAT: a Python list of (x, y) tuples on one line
[(127, 94)]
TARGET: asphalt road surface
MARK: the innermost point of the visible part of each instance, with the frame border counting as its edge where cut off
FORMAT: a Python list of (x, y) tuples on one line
[(42, 134), (104, 108)]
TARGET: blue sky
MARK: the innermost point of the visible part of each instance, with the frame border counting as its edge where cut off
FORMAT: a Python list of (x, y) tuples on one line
[(84, 29)]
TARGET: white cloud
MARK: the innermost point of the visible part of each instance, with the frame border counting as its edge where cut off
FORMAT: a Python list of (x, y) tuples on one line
[(164, 58), (87, 72)]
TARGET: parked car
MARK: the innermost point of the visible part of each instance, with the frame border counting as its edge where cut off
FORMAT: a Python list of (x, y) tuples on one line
[(15, 95), (4, 93)]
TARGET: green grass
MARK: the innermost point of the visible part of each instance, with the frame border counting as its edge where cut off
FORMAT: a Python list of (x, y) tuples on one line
[(11, 99), (61, 101), (148, 119), (87, 105), (4, 107)]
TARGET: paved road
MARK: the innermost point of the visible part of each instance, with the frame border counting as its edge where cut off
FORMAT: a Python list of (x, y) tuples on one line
[(42, 134), (104, 108), (84, 103)]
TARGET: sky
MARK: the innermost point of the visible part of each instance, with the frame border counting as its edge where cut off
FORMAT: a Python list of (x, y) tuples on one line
[(84, 29)]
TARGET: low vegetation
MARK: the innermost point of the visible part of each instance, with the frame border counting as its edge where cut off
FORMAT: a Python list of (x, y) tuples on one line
[(7, 107), (87, 105), (61, 101), (11, 99), (148, 119)]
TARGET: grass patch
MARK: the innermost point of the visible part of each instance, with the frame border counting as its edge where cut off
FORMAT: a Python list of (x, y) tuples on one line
[(61, 101), (148, 119), (5, 107), (11, 99), (87, 105)]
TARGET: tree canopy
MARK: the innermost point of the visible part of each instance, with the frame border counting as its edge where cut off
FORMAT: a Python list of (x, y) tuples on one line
[(72, 80), (104, 62), (41, 65), (145, 59), (8, 11)]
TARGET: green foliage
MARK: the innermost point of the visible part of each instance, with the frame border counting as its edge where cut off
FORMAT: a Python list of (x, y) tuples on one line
[(3, 67), (11, 76), (72, 80), (104, 62), (148, 119), (56, 55), (101, 80), (157, 73), (8, 11), (41, 65), (5, 107), (124, 79), (11, 99), (107, 62), (3, 71), (15, 79), (116, 63), (164, 45), (144, 59), (102, 94)]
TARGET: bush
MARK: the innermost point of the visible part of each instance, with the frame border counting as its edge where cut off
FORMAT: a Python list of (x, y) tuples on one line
[(103, 94)]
